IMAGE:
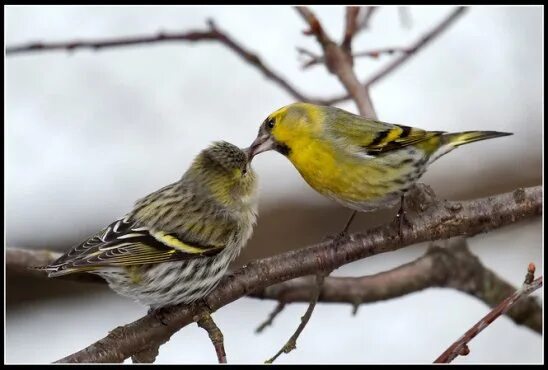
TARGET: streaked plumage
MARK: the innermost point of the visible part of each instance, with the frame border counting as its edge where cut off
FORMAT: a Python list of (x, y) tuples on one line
[(363, 164), (176, 243)]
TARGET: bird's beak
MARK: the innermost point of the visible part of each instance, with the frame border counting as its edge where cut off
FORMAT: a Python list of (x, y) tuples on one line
[(261, 144)]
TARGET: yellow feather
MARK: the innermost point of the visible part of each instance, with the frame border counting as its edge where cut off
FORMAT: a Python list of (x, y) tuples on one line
[(175, 243)]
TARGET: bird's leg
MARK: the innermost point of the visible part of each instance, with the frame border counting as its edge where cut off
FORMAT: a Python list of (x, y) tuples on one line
[(401, 217), (338, 238), (348, 223), (159, 314)]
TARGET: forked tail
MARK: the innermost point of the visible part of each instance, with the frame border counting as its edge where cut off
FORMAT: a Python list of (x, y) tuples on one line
[(461, 138), (454, 140)]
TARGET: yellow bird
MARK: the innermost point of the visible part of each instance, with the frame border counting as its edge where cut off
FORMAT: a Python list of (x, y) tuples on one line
[(361, 163)]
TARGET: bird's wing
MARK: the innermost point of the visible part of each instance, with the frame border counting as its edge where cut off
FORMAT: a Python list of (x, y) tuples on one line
[(125, 243), (376, 137)]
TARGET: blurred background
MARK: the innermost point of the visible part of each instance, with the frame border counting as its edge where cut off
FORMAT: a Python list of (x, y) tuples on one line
[(87, 133)]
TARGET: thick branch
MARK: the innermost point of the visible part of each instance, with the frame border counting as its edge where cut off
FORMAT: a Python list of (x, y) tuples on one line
[(412, 50), (460, 347), (437, 220), (453, 266), (339, 62), (211, 34)]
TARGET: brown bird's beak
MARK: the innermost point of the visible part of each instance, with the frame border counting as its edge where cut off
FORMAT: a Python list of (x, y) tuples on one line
[(261, 144)]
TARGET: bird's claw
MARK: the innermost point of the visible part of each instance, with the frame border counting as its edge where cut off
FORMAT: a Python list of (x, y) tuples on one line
[(337, 239), (159, 314), (402, 221)]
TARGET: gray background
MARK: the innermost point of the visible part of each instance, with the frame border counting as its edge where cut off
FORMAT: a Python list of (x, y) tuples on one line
[(88, 133)]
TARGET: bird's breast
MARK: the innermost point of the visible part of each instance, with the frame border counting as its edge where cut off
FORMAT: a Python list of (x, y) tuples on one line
[(354, 180)]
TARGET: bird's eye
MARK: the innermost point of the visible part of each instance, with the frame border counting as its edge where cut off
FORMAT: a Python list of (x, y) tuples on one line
[(270, 123), (244, 171)]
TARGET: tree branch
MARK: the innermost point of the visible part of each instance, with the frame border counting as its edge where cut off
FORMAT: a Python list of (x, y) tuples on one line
[(460, 347), (339, 62), (453, 266), (351, 27), (279, 308), (412, 50), (437, 220), (213, 33)]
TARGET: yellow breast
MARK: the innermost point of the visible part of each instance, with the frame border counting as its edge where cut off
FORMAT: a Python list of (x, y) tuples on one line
[(341, 175)]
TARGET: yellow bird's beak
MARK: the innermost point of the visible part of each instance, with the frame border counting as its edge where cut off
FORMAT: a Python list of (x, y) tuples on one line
[(261, 144)]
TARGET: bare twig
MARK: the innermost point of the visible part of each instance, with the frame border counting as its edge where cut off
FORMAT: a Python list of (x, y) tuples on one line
[(460, 347), (268, 322), (351, 27), (317, 59), (412, 50), (213, 33), (437, 220), (205, 321), (291, 344)]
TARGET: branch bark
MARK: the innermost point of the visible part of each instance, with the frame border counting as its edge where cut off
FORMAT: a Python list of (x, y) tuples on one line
[(205, 321), (438, 220)]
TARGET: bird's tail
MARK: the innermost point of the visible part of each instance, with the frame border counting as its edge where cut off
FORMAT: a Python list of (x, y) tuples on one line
[(456, 139), (57, 270), (461, 138)]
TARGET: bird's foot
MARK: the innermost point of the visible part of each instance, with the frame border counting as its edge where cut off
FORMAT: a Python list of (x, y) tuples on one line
[(402, 222), (337, 239), (159, 314)]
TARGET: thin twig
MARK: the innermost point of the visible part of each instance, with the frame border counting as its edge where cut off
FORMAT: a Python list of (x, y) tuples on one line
[(413, 50), (205, 321), (213, 33), (268, 322), (351, 27), (375, 53), (460, 347), (292, 342)]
